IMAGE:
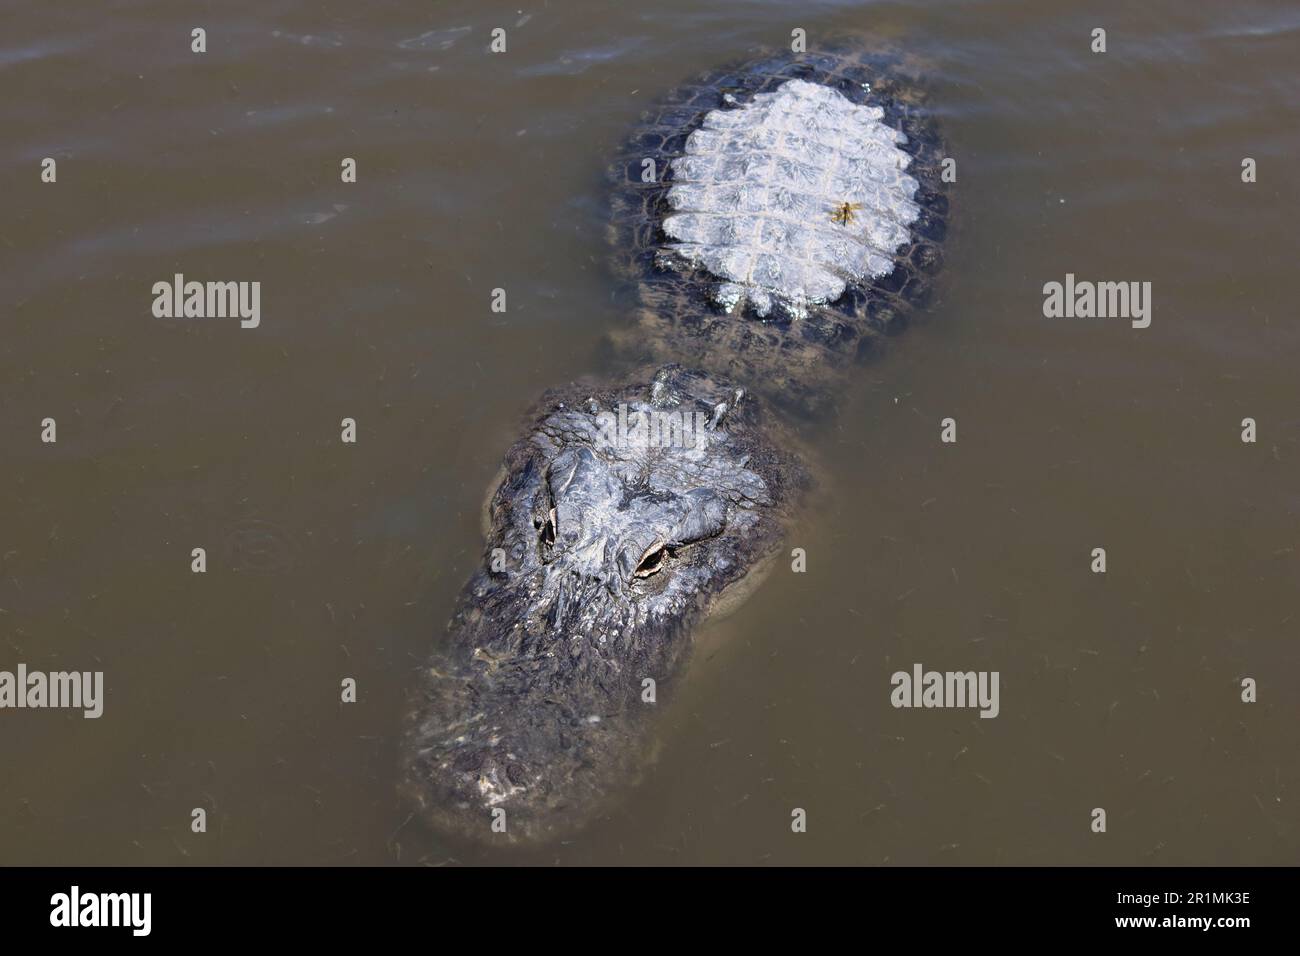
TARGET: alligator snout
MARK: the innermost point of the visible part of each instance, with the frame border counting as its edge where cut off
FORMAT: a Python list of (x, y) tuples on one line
[(499, 763)]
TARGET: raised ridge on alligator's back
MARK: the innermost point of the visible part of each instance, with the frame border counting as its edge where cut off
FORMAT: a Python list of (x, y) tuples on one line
[(740, 257)]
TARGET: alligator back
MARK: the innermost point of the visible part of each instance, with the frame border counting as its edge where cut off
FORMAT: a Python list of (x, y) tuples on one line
[(777, 218)]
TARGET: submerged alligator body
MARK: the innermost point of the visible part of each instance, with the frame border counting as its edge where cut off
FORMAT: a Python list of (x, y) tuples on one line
[(777, 220)]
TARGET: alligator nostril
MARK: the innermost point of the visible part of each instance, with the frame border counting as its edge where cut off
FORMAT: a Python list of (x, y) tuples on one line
[(469, 761)]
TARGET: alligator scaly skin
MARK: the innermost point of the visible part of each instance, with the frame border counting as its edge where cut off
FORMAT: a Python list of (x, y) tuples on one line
[(607, 547)]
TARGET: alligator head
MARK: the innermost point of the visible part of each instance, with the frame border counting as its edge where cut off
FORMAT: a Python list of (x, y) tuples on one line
[(625, 517)]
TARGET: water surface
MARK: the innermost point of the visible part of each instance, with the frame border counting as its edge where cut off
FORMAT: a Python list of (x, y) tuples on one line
[(480, 171)]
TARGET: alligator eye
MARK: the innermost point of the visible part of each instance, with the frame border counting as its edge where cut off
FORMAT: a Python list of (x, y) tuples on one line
[(652, 561)]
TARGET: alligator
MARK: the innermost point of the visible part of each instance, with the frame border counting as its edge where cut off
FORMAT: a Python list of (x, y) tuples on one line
[(776, 221)]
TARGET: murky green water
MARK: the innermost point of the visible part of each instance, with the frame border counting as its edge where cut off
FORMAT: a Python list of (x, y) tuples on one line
[(478, 171)]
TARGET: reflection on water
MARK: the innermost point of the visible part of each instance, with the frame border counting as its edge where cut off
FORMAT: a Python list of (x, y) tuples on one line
[(479, 171)]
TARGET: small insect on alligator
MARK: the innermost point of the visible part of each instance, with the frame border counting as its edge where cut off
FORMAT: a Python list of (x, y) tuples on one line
[(846, 213)]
